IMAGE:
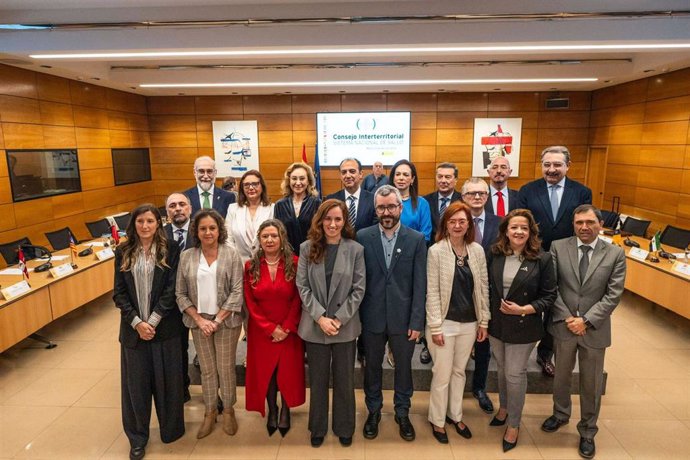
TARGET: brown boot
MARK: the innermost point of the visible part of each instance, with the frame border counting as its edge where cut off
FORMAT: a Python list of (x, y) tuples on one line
[(207, 425), (229, 421)]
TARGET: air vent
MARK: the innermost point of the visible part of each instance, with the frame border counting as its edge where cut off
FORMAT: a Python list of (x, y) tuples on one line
[(557, 103)]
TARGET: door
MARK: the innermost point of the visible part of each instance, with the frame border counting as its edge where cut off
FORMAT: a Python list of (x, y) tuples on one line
[(595, 178)]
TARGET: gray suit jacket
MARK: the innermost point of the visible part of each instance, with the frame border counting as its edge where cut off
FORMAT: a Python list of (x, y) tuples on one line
[(228, 279), (595, 299), (346, 292)]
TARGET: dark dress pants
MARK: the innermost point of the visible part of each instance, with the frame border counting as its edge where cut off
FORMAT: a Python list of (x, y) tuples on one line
[(545, 347), (152, 370), (339, 358), (482, 356), (184, 342), (374, 348)]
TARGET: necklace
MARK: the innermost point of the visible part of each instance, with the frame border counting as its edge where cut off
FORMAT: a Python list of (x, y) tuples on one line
[(459, 256), (272, 263)]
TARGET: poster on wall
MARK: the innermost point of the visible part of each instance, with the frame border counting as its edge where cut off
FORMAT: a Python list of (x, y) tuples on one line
[(236, 147), (496, 137)]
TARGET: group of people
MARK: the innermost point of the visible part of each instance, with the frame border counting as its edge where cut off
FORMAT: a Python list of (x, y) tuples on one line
[(483, 271)]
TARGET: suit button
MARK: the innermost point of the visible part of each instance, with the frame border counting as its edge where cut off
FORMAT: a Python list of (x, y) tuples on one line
[(338, 305), (525, 294), (521, 321)]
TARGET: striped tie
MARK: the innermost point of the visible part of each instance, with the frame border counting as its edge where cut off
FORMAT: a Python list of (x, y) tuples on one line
[(444, 205), (352, 210)]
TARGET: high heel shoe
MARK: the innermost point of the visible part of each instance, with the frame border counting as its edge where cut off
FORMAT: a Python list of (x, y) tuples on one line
[(510, 445), (272, 422), (284, 420), (497, 421)]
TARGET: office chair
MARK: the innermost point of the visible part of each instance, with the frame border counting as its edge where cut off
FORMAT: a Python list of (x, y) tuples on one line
[(98, 228), (637, 227), (59, 239), (676, 237), (610, 219), (123, 221), (9, 251)]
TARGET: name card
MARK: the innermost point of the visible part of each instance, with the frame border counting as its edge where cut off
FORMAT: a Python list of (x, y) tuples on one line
[(606, 239), (105, 254), (61, 270), (639, 254), (681, 267), (15, 290)]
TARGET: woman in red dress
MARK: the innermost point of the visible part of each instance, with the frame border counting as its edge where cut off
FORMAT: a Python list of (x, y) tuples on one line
[(275, 353)]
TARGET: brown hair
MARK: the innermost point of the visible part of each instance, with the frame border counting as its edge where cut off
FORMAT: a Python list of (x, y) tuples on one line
[(131, 247), (213, 214), (285, 253), (316, 234), (413, 185), (451, 210), (502, 244), (311, 180), (242, 197)]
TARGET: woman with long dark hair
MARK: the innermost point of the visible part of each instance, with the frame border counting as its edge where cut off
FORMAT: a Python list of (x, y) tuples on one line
[(416, 213)]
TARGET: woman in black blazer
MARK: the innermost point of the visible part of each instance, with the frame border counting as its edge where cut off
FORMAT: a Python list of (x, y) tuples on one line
[(522, 287), (150, 328)]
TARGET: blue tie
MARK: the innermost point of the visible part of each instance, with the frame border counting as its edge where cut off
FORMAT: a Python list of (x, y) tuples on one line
[(554, 201), (444, 205)]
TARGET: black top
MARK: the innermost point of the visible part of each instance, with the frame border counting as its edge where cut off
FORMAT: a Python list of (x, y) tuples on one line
[(461, 308), (297, 227)]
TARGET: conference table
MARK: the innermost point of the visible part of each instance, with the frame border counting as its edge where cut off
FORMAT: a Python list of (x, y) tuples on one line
[(50, 298)]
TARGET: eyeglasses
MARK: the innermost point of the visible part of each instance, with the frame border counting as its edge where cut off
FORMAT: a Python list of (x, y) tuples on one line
[(475, 194), (248, 185), (454, 222), (208, 172), (389, 207)]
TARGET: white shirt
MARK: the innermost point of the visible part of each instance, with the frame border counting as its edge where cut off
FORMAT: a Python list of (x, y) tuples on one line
[(592, 245), (206, 287), (242, 228), (201, 196), (494, 198), (441, 197), (559, 191)]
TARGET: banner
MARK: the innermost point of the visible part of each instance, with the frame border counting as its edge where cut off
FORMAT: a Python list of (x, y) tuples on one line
[(496, 137), (236, 147)]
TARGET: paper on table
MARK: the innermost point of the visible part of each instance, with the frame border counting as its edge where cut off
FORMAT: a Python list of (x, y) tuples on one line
[(11, 271), (59, 257), (96, 243)]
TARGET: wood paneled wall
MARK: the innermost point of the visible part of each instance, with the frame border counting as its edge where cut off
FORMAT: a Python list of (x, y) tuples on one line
[(442, 127), (645, 125), (41, 111)]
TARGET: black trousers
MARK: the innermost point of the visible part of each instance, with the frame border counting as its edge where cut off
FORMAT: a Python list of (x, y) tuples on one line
[(184, 342), (152, 370), (339, 359), (374, 348), (545, 347), (482, 356)]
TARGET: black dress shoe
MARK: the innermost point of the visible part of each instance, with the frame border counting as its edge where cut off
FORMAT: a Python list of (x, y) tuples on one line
[(406, 428), (509, 445), (498, 422), (552, 424), (425, 355), (137, 453), (484, 402), (371, 426), (441, 436), (464, 432), (547, 367), (587, 448), (345, 441), (316, 441)]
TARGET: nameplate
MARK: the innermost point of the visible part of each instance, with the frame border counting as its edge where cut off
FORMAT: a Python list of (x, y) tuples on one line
[(681, 267), (15, 290), (105, 254), (606, 239), (639, 254), (61, 270)]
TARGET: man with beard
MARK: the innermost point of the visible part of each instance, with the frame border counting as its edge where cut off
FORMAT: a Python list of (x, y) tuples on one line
[(502, 199), (552, 201), (393, 308), (206, 195), (359, 202)]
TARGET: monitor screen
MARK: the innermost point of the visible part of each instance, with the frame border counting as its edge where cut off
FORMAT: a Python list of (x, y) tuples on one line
[(367, 136), (40, 173), (131, 165)]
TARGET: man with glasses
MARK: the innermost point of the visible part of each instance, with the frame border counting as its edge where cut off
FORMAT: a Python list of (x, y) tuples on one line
[(206, 195), (475, 194), (552, 200), (393, 308), (502, 199), (359, 202)]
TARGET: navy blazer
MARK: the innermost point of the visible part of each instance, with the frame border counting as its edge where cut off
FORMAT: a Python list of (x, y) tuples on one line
[(163, 300), (491, 223), (366, 214), (188, 243), (395, 297), (512, 202), (432, 198), (221, 200), (535, 197)]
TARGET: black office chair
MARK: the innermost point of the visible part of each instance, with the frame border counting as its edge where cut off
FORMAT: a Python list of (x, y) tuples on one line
[(637, 227), (123, 221), (9, 251), (59, 239), (164, 212), (676, 237), (610, 219), (98, 228)]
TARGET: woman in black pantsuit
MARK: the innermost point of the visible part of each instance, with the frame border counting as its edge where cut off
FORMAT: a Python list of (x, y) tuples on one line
[(150, 328)]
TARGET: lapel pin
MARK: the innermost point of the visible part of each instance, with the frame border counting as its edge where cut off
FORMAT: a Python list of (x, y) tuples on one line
[(524, 269), (398, 251)]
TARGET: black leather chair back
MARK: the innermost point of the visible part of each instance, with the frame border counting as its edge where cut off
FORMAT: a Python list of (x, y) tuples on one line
[(676, 237), (637, 227), (59, 239), (9, 251), (610, 219), (123, 221), (98, 228)]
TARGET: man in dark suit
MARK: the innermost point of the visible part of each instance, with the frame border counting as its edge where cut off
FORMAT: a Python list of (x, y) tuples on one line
[(502, 199), (360, 203), (393, 308), (475, 194), (376, 179), (206, 194), (552, 201), (445, 194), (591, 279)]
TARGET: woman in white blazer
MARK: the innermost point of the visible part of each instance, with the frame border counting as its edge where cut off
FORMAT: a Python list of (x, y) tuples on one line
[(457, 313), (243, 219)]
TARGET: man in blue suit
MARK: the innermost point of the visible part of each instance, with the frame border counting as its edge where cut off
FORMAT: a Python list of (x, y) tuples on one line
[(206, 195), (444, 195), (475, 194), (393, 308), (360, 203), (552, 200)]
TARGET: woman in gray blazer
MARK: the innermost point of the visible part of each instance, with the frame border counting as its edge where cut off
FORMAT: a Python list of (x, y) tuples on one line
[(457, 314), (209, 293), (331, 279)]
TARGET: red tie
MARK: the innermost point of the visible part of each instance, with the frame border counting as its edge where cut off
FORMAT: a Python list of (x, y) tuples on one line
[(500, 205)]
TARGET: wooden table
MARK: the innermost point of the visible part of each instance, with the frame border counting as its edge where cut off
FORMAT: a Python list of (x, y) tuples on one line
[(51, 298)]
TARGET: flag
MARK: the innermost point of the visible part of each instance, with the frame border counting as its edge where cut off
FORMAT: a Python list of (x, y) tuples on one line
[(655, 242), (22, 262), (72, 245), (317, 170), (114, 234), (304, 154)]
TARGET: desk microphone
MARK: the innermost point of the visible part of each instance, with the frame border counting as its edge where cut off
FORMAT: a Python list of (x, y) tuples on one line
[(86, 252), (630, 243)]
